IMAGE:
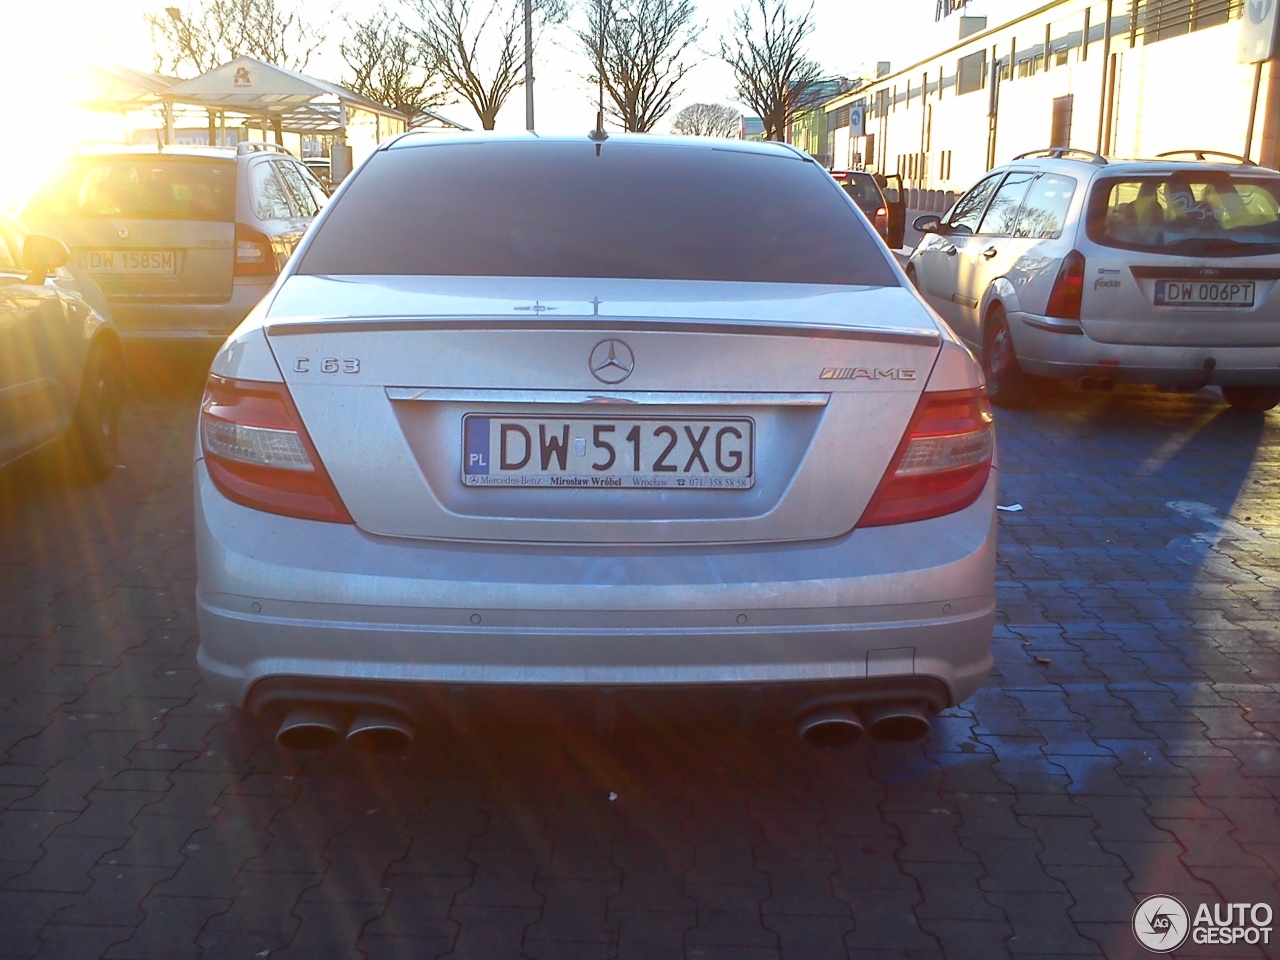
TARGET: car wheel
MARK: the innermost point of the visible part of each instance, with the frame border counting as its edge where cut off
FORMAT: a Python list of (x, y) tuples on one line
[(95, 432), (1251, 399), (1007, 384)]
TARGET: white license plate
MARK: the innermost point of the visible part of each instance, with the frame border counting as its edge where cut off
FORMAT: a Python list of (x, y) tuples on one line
[(156, 262), (635, 453), (1204, 293)]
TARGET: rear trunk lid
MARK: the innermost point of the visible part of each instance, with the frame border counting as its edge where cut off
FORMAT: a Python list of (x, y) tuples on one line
[(146, 228), (601, 410), (1182, 301), (1185, 256)]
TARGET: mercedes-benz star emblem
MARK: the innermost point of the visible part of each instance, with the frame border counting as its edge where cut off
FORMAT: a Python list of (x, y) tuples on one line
[(611, 361)]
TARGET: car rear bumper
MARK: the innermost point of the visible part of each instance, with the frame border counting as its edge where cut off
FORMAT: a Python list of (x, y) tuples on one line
[(175, 320), (1062, 350), (309, 607)]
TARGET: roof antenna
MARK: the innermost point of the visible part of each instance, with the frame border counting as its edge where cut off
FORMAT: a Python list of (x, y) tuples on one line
[(598, 136)]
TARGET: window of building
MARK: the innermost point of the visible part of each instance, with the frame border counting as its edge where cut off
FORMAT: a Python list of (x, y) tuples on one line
[(1060, 126), (971, 72), (1163, 19)]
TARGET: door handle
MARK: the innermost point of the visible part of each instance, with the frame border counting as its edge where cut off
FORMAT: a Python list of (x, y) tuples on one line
[(950, 251), (989, 252)]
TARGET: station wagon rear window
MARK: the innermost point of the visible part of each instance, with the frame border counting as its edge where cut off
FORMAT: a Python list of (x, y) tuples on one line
[(636, 210), (1193, 213), (140, 188)]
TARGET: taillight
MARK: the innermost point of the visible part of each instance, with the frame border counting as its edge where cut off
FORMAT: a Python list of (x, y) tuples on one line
[(882, 219), (942, 463), (1064, 298), (258, 453), (255, 256)]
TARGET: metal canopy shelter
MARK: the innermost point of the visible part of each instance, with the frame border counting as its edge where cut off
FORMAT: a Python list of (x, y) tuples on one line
[(302, 104), (122, 89)]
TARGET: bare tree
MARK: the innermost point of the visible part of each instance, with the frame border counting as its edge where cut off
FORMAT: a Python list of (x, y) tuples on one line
[(640, 52), (707, 120), (217, 31), (765, 50), (457, 35), (388, 64)]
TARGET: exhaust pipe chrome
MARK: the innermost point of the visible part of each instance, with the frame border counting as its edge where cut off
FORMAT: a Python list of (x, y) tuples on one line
[(895, 722), (310, 727), (834, 726), (375, 731), (1087, 383)]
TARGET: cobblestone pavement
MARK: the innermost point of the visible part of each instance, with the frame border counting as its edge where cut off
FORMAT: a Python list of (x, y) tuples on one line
[(1126, 745)]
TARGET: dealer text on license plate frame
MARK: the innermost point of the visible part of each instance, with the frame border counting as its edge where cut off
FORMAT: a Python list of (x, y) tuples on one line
[(1238, 294), (154, 263), (627, 453)]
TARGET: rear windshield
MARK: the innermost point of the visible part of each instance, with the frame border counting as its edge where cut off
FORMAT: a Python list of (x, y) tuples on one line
[(863, 190), (1188, 213), (139, 188), (637, 210)]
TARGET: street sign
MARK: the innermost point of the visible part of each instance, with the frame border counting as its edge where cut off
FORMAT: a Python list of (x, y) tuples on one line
[(858, 118), (1259, 30)]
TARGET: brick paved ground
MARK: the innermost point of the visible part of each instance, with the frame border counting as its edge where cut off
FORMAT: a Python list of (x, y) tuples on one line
[(1126, 745)]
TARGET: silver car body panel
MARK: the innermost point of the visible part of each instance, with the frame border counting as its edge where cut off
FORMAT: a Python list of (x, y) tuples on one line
[(399, 398), (280, 597)]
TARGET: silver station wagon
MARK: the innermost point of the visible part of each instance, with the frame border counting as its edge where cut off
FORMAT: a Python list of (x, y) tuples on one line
[(608, 421), (182, 240), (1068, 265)]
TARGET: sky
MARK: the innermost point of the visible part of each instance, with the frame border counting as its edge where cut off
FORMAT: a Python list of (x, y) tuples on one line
[(42, 46)]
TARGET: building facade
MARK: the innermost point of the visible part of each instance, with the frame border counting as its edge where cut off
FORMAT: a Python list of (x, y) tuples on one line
[(1124, 78)]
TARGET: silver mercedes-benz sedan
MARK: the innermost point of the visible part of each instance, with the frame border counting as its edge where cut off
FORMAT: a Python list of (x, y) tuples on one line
[(608, 421)]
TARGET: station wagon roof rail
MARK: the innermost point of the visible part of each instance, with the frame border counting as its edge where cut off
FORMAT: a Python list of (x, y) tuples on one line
[(1065, 153), (1203, 155), (254, 146)]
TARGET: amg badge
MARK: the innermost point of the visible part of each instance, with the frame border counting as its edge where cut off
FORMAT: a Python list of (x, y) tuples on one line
[(866, 373)]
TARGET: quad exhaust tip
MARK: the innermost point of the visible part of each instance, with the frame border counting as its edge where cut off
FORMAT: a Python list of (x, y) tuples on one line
[(379, 732), (310, 727), (321, 726), (896, 722), (889, 721), (835, 726)]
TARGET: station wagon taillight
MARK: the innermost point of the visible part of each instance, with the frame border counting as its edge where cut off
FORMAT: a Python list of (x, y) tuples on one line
[(255, 256), (258, 453), (942, 463), (1068, 288)]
